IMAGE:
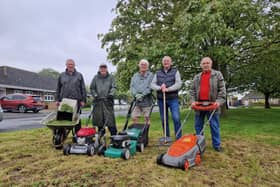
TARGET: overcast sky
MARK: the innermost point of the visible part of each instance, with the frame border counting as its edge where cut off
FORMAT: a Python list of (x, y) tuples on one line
[(37, 34)]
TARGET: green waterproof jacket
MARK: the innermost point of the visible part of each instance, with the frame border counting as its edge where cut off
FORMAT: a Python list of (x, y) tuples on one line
[(103, 89)]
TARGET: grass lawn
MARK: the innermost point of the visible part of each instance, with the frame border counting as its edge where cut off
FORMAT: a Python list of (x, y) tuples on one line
[(251, 157)]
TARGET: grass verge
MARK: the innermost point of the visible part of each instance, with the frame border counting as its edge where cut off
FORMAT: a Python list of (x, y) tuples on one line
[(251, 157)]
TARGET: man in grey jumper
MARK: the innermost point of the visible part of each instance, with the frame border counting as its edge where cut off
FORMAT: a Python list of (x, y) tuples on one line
[(140, 87)]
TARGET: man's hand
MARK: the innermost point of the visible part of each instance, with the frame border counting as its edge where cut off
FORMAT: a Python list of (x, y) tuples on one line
[(217, 103), (57, 103), (139, 97), (193, 104), (110, 97), (163, 88), (82, 104)]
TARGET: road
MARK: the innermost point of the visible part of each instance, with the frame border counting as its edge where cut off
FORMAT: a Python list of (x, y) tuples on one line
[(18, 121), (13, 121)]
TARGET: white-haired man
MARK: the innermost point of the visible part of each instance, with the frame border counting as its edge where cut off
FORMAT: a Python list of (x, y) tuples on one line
[(140, 89), (168, 81), (208, 85)]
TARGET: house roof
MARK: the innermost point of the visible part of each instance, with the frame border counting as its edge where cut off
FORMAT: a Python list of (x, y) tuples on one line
[(18, 78)]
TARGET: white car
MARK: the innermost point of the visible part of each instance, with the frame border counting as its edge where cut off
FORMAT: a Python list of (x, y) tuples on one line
[(1, 113)]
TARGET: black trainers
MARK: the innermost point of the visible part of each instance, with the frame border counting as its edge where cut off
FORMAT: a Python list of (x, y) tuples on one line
[(218, 149)]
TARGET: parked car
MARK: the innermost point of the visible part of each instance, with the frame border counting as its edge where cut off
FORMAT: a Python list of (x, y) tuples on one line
[(22, 103), (1, 113)]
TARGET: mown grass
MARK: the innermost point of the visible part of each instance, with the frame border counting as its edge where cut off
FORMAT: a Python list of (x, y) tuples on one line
[(251, 157)]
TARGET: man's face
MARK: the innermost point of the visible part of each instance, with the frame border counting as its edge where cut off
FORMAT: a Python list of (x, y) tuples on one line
[(103, 70), (166, 63), (143, 67), (70, 65), (206, 64)]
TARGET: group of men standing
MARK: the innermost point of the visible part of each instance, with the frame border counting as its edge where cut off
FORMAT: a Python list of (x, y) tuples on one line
[(207, 86)]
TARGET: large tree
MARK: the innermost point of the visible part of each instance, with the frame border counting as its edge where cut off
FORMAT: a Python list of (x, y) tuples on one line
[(186, 30), (263, 73)]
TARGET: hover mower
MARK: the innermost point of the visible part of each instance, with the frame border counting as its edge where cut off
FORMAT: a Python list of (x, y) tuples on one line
[(87, 141), (187, 151)]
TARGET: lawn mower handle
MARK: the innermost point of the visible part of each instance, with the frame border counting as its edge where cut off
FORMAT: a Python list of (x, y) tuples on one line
[(131, 108), (205, 106)]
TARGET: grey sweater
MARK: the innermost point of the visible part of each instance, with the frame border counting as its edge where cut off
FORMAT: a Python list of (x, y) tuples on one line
[(141, 84)]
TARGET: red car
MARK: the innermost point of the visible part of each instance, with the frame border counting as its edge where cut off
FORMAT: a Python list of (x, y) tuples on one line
[(22, 103)]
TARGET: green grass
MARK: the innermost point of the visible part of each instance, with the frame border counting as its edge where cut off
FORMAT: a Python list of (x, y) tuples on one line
[(251, 157)]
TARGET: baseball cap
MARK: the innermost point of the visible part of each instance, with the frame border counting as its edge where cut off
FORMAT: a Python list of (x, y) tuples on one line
[(103, 65)]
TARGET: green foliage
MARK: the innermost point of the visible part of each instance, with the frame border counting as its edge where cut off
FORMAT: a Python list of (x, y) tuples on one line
[(49, 72), (232, 33)]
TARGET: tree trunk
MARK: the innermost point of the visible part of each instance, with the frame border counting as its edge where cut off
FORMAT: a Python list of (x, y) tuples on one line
[(226, 103), (223, 110), (266, 104)]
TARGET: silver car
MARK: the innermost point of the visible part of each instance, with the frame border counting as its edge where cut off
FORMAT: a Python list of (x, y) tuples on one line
[(1, 113)]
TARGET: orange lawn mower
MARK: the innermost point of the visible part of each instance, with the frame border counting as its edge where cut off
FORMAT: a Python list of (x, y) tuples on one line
[(187, 151)]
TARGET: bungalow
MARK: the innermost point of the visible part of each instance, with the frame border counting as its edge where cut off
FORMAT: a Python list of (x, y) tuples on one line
[(258, 98), (13, 80)]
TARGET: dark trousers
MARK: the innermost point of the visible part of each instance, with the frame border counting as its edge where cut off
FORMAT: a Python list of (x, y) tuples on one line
[(113, 130)]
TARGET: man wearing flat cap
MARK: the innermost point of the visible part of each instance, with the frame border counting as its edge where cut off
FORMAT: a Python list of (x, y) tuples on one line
[(103, 88)]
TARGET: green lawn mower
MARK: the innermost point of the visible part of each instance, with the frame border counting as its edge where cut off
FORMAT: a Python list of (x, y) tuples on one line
[(133, 137)]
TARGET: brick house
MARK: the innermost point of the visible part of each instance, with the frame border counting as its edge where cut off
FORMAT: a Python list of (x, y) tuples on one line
[(13, 80)]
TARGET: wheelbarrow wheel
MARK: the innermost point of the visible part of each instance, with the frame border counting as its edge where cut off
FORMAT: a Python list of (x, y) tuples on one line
[(57, 141), (58, 138)]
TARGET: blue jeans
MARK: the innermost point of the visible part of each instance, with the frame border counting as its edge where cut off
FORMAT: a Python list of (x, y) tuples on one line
[(214, 126), (173, 104)]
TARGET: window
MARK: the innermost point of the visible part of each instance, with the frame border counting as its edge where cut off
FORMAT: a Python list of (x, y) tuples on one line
[(17, 91), (18, 97), (49, 98), (28, 92), (37, 98)]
